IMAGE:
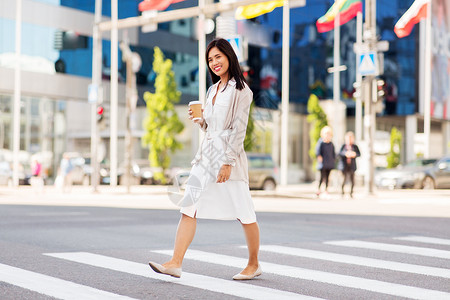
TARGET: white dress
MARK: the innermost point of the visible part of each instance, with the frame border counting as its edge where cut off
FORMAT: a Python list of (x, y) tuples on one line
[(203, 197)]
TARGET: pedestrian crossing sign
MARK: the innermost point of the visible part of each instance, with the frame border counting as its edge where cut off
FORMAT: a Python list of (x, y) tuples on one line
[(236, 43), (367, 64)]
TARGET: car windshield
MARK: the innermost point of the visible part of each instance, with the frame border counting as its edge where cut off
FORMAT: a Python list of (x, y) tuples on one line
[(420, 162), (260, 162)]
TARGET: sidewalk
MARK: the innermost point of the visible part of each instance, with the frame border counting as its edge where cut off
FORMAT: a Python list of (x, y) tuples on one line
[(298, 198)]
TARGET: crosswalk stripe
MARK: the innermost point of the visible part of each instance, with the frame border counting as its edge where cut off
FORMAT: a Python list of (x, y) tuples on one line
[(188, 279), (424, 239), (51, 286), (422, 251), (357, 260), (320, 276)]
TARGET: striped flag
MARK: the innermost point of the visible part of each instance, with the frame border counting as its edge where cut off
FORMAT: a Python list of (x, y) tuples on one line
[(254, 10), (348, 9), (412, 16), (156, 4)]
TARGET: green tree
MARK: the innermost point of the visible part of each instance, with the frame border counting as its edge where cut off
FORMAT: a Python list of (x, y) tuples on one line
[(318, 119), (249, 141), (161, 125), (393, 157)]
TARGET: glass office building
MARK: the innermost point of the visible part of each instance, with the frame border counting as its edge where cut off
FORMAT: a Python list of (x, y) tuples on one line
[(56, 66)]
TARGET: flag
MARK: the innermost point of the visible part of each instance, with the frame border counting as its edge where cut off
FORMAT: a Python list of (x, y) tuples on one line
[(156, 4), (412, 16), (348, 9), (254, 10)]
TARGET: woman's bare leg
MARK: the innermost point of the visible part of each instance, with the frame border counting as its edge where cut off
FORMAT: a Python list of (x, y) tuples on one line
[(252, 237), (185, 235)]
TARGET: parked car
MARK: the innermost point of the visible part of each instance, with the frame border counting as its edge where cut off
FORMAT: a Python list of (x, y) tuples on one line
[(6, 169), (141, 173), (262, 172), (410, 175), (438, 175), (82, 170)]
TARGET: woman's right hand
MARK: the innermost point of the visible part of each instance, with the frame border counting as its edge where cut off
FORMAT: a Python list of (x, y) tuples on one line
[(198, 121)]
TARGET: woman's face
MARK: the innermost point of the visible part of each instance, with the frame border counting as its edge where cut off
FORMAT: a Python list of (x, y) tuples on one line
[(218, 62)]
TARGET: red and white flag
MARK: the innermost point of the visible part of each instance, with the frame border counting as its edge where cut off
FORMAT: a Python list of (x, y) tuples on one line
[(412, 16), (156, 4)]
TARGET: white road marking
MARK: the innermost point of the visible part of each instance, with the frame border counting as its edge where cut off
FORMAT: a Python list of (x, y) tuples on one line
[(416, 201), (357, 260), (422, 251), (319, 276), (218, 285), (51, 286), (424, 239)]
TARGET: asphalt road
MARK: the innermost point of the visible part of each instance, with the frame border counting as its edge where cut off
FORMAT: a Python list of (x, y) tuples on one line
[(81, 252)]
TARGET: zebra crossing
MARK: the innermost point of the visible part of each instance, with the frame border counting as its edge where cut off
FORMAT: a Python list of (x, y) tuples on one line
[(266, 287)]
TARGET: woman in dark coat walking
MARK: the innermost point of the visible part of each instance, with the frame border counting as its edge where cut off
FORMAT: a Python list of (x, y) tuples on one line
[(347, 163), (326, 156)]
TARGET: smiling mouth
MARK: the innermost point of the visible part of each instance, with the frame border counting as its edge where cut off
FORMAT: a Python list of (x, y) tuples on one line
[(216, 69)]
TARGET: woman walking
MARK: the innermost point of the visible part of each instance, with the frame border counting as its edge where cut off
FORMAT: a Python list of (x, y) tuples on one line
[(326, 157), (347, 164), (217, 187)]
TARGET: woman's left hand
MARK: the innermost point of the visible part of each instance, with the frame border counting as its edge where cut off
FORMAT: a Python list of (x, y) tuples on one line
[(224, 174)]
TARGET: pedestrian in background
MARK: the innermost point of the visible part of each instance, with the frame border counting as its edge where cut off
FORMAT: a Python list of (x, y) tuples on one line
[(217, 187), (347, 163), (64, 180), (36, 180), (326, 157)]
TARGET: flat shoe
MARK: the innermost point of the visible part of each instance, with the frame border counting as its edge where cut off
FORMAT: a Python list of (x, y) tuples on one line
[(174, 272), (248, 277)]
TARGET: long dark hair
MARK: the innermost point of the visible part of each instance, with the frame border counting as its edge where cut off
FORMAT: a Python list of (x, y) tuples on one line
[(234, 69)]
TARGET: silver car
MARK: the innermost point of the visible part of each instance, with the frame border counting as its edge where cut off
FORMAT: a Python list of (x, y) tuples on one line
[(262, 172), (410, 175)]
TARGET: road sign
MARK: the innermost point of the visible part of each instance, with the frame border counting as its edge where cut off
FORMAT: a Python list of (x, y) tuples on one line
[(92, 93), (367, 64), (236, 43)]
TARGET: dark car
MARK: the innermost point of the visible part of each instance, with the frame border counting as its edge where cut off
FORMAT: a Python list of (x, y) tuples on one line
[(437, 176), (410, 175)]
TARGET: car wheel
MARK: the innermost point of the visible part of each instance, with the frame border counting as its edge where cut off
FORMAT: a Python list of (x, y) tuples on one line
[(269, 185), (428, 183)]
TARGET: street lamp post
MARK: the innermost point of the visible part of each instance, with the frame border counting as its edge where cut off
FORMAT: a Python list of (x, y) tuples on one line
[(133, 62), (17, 94)]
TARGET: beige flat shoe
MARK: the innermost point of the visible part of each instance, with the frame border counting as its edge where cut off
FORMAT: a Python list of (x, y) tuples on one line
[(174, 272), (248, 277)]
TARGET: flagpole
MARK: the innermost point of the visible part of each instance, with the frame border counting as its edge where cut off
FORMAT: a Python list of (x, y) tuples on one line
[(337, 63), (427, 85), (285, 96), (358, 109)]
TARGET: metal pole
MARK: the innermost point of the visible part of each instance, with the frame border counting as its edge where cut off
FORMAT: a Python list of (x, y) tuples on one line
[(197, 135), (427, 84), (96, 81), (114, 93), (129, 147), (17, 94), (358, 109), (336, 58), (370, 95), (285, 95)]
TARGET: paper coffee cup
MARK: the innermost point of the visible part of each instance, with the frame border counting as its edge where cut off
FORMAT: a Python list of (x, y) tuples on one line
[(196, 107)]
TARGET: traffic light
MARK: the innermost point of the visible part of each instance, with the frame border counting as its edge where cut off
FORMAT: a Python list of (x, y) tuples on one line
[(100, 112), (357, 87), (380, 90)]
